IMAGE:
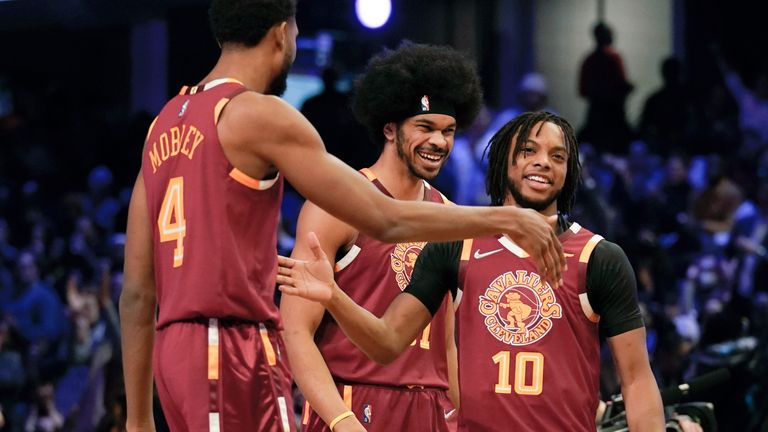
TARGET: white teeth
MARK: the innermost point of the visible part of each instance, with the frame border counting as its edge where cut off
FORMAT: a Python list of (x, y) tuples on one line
[(538, 179), (430, 156)]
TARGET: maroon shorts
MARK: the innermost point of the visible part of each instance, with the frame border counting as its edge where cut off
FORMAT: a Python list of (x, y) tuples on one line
[(223, 377), (381, 408)]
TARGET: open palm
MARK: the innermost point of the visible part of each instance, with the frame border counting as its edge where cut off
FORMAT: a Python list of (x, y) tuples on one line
[(312, 280)]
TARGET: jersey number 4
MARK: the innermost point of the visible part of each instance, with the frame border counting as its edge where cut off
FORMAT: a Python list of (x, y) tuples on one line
[(171, 220), (523, 361)]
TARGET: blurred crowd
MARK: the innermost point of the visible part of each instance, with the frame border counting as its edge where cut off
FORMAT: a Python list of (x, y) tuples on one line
[(685, 193)]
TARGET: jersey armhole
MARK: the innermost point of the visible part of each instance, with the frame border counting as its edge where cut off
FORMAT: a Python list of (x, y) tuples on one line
[(584, 257), (466, 253)]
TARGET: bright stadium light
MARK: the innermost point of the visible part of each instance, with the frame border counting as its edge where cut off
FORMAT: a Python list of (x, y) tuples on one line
[(373, 13)]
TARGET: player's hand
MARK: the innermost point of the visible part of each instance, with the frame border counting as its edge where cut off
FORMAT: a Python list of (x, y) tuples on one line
[(312, 280), (533, 232), (687, 424)]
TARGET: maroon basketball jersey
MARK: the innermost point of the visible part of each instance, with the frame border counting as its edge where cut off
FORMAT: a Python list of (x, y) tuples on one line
[(214, 228), (373, 273), (528, 354)]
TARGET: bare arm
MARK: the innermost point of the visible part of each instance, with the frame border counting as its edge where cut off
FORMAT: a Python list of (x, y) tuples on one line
[(381, 339), (301, 318), (286, 140), (638, 387), (137, 313)]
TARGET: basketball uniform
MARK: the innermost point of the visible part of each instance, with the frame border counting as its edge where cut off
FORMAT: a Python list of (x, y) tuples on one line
[(529, 354), (218, 360), (408, 394)]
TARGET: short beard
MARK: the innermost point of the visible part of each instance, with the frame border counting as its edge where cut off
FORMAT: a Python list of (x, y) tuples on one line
[(279, 84), (399, 143), (526, 203)]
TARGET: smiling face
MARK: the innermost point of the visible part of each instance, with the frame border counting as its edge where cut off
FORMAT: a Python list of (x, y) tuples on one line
[(537, 173), (424, 142)]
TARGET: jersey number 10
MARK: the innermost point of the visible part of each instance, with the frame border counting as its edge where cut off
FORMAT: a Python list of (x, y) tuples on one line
[(523, 361), (171, 220)]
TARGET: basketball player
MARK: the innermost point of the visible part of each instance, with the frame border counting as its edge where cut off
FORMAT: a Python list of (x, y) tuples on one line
[(336, 378), (201, 236), (528, 353)]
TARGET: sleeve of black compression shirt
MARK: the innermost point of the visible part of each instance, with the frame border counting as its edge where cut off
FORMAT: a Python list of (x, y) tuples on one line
[(435, 273), (612, 290)]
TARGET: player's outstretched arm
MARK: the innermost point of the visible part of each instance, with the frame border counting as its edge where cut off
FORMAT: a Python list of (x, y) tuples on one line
[(301, 318), (270, 130), (381, 339), (137, 314)]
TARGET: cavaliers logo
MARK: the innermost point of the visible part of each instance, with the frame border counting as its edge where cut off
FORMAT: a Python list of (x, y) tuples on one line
[(403, 259), (519, 308)]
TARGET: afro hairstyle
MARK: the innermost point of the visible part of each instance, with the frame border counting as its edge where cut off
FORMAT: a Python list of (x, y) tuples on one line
[(245, 22), (395, 80)]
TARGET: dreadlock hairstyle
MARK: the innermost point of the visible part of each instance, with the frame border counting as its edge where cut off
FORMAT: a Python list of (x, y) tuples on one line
[(395, 81), (245, 22), (497, 182)]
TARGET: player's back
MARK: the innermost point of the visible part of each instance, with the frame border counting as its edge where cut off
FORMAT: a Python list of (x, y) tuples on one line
[(214, 228)]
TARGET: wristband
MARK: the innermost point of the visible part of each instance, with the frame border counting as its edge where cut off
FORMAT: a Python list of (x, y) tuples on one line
[(339, 418)]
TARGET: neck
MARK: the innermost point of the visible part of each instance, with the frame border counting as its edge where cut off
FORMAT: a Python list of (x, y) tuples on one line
[(549, 211), (243, 64), (394, 174)]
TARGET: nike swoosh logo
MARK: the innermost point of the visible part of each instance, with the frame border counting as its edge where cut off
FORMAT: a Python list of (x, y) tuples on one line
[(479, 255)]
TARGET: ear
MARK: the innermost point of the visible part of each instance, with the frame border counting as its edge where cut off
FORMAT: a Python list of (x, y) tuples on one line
[(390, 131), (279, 33)]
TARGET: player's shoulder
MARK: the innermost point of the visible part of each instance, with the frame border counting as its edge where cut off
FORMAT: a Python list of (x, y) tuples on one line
[(313, 218), (608, 255), (251, 108), (608, 248)]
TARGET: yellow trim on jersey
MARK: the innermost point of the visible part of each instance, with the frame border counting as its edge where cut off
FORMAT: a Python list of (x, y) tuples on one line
[(305, 415), (350, 256), (586, 307), (183, 90), (251, 182), (466, 250), (368, 174), (347, 396), (213, 349), (217, 110), (220, 81), (268, 350), (152, 126), (588, 248)]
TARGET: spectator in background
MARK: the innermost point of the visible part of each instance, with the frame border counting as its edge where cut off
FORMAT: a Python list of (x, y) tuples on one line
[(35, 309), (748, 244), (714, 208), (330, 113), (603, 83), (462, 179), (715, 125), (532, 95), (12, 379), (753, 106), (667, 111)]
